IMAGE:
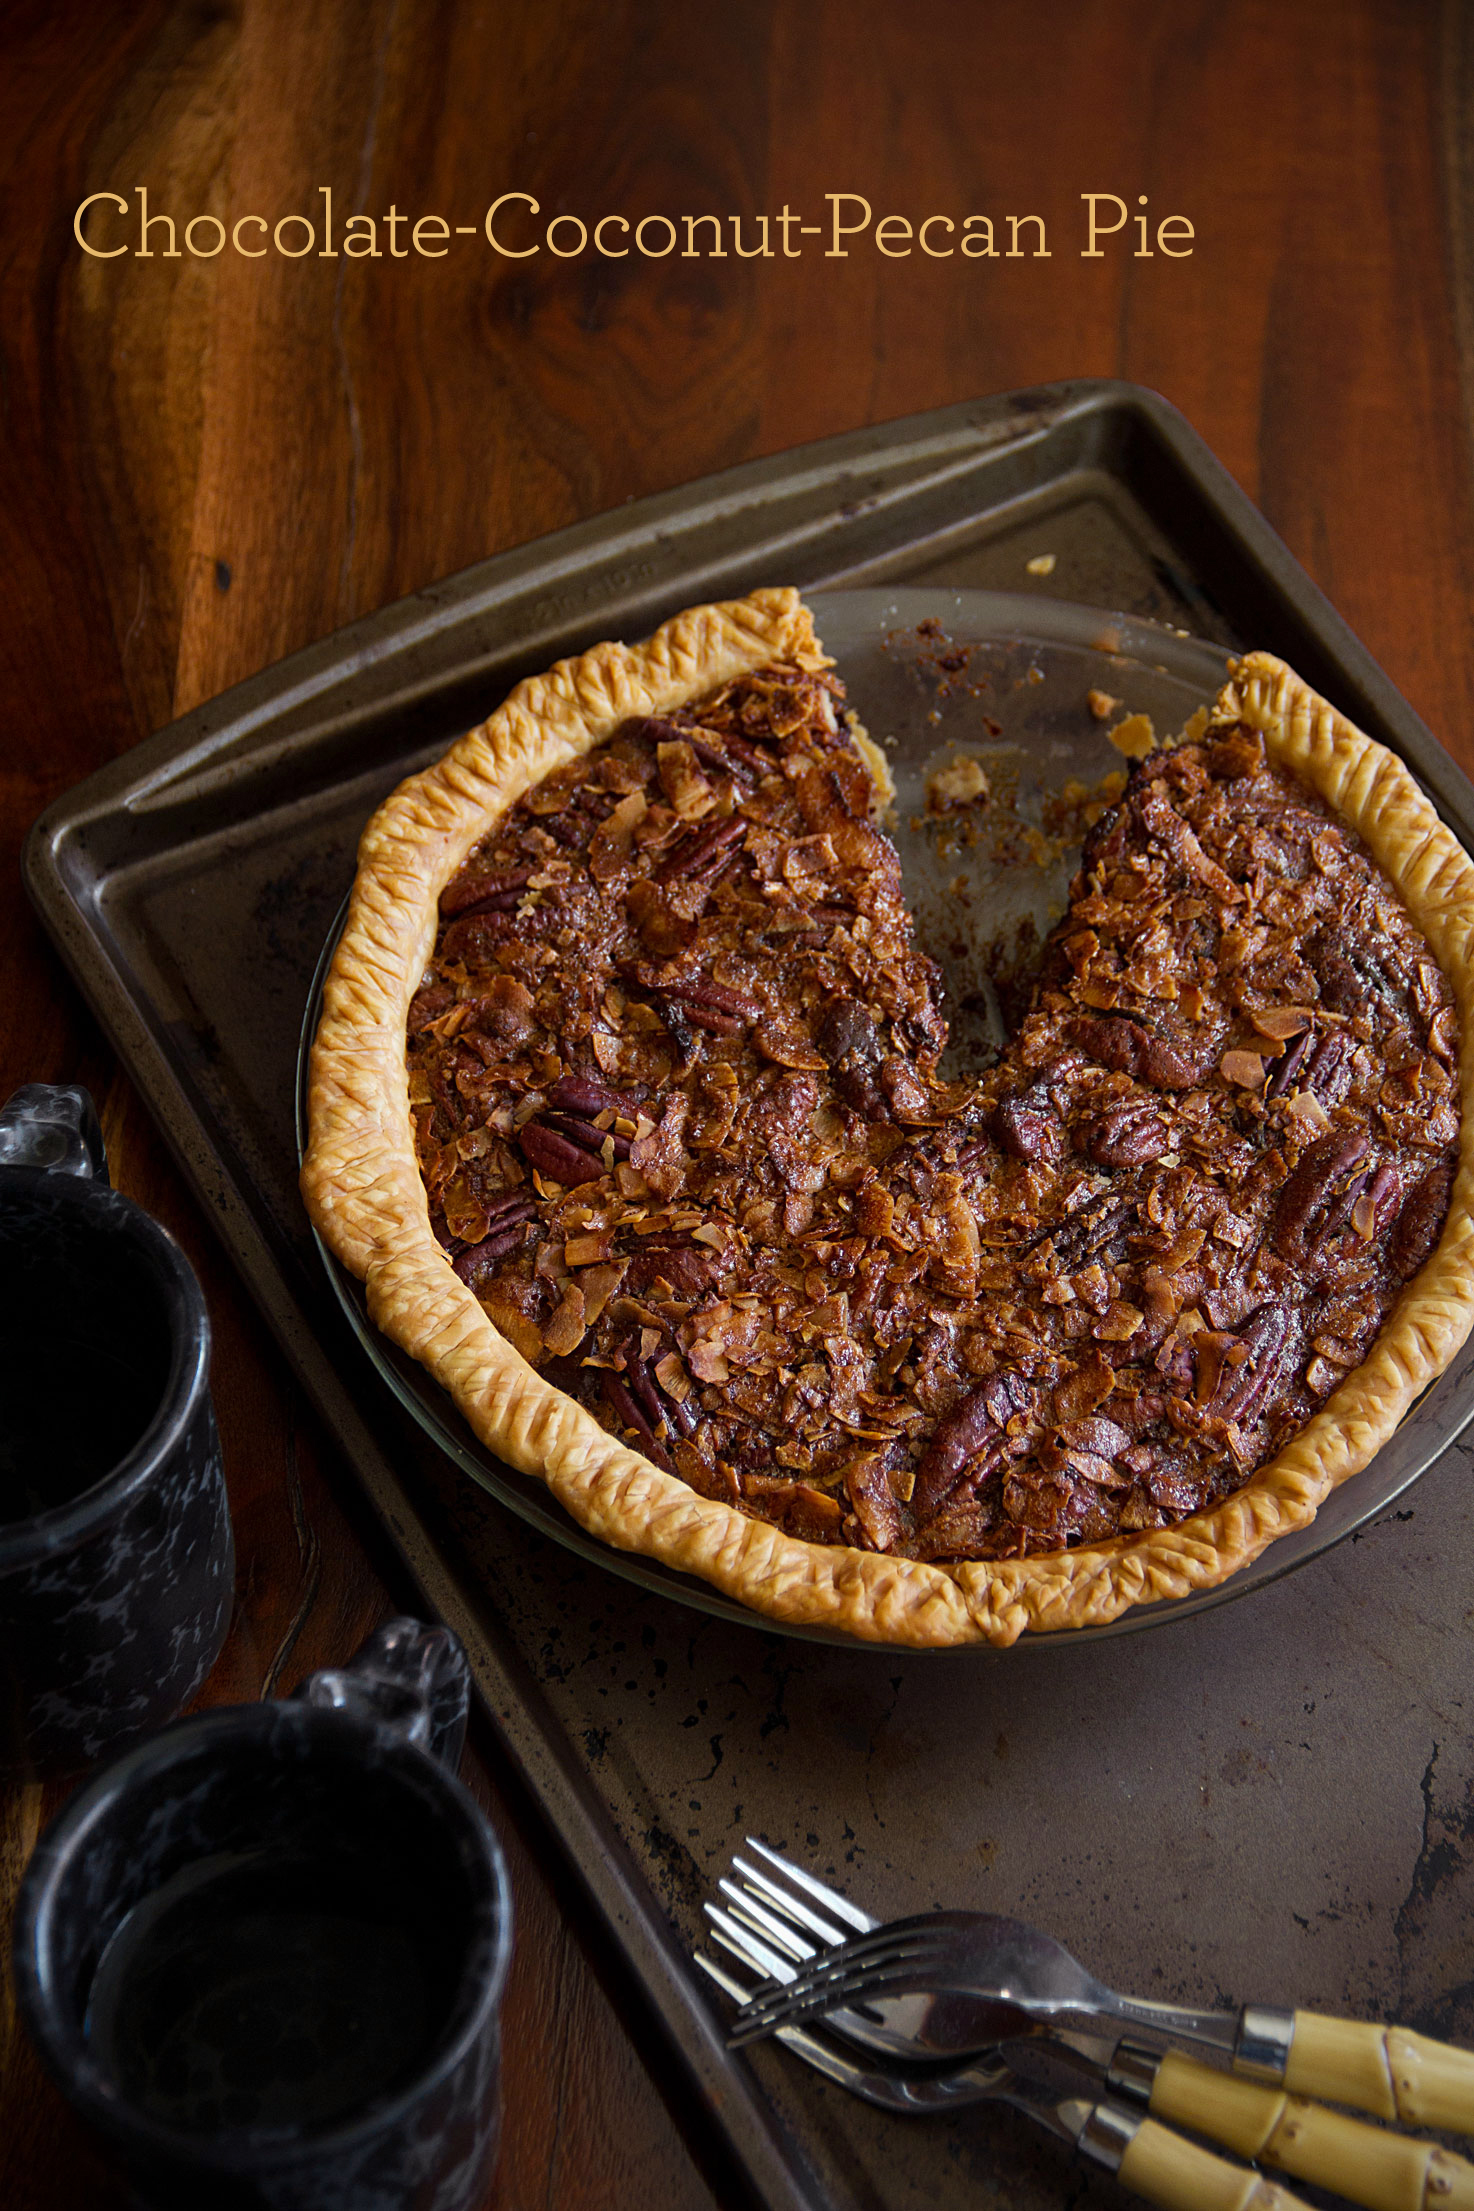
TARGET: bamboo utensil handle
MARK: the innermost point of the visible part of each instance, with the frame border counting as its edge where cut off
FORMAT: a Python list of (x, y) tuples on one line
[(1389, 2071), (1367, 2165), (1176, 2174)]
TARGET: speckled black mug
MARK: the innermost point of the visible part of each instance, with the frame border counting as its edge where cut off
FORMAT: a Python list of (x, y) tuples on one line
[(154, 1955), (117, 1567)]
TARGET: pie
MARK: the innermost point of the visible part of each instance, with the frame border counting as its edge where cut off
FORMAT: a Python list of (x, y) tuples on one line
[(625, 1106)]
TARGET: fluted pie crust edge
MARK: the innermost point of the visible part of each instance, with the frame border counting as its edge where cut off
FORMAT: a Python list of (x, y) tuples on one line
[(363, 1189)]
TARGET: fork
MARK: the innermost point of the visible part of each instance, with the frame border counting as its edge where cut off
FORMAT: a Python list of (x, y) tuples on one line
[(766, 1927), (987, 1979), (1145, 2156)]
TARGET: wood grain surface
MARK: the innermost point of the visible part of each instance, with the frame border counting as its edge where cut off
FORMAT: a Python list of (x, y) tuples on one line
[(208, 463)]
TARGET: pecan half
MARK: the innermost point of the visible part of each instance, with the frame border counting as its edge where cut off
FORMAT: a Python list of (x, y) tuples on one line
[(972, 1442), (484, 892), (687, 1268), (1315, 1201), (507, 1232), (850, 1041), (633, 1415), (703, 853), (1352, 978), (1089, 1231), (660, 1409), (1266, 1336), (555, 1155), (708, 1005), (582, 1094), (1126, 1134), (429, 1002), (906, 1094), (1287, 1066), (724, 1012), (1418, 1224), (720, 749), (587, 1135), (1027, 1127), (1115, 1040), (729, 756), (1328, 1071)]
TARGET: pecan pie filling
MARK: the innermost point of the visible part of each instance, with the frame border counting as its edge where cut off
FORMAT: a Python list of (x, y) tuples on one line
[(674, 1078)]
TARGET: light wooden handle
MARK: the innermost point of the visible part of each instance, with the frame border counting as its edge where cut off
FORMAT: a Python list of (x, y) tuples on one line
[(1387, 2070), (1387, 2172), (1175, 2173)]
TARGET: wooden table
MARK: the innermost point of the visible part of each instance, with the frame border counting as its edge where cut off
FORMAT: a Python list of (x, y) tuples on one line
[(212, 461)]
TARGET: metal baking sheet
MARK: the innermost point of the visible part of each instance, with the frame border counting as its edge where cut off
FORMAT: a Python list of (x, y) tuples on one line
[(1268, 1800)]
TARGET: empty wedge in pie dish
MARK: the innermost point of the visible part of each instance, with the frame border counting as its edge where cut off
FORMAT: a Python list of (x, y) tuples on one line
[(626, 1107)]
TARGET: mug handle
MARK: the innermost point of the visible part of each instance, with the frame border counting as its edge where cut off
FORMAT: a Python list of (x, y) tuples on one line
[(409, 1677), (53, 1125)]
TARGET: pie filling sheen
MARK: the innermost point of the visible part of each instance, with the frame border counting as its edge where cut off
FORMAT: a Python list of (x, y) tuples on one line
[(1007, 1352), (673, 1070)]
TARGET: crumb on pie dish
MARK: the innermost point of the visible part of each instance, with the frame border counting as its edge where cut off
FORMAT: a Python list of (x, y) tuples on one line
[(626, 1107)]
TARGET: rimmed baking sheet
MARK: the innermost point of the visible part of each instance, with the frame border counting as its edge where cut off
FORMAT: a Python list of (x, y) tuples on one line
[(1254, 1804)]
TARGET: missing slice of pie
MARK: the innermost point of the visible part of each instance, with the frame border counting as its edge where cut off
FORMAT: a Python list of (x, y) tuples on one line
[(625, 1106)]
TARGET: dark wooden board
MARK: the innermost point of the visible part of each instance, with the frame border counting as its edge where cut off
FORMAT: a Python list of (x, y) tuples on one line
[(337, 448)]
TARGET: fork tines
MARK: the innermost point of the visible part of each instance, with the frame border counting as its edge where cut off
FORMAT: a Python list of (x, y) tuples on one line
[(830, 1901), (767, 1923)]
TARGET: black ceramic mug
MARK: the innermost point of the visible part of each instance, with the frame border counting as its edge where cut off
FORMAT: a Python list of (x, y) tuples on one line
[(263, 1955), (117, 1567)]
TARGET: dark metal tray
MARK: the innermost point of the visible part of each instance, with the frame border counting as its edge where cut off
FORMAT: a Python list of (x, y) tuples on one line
[(190, 887)]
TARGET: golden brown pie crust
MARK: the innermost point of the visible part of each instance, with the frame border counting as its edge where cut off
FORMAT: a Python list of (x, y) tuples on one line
[(364, 1192)]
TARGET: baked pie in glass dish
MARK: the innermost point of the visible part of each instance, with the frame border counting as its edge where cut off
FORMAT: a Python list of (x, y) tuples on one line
[(626, 1107)]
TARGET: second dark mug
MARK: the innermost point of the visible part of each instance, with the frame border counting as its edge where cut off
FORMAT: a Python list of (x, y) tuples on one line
[(117, 1568), (263, 1955)]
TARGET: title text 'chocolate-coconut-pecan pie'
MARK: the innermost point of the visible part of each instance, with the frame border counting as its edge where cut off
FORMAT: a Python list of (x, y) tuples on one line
[(625, 1107)]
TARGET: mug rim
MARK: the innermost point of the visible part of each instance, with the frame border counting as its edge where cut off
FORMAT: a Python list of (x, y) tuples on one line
[(22, 1542), (63, 2045)]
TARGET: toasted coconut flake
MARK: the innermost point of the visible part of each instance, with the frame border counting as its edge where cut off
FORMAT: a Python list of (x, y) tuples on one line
[(1244, 1068), (1185, 1247), (611, 843), (1281, 1022), (673, 1378), (1306, 1108), (787, 1045), (565, 1331), (599, 1285)]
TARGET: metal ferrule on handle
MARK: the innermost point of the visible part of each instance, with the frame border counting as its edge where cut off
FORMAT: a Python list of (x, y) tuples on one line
[(1262, 2047), (1107, 2134), (1166, 2169)]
